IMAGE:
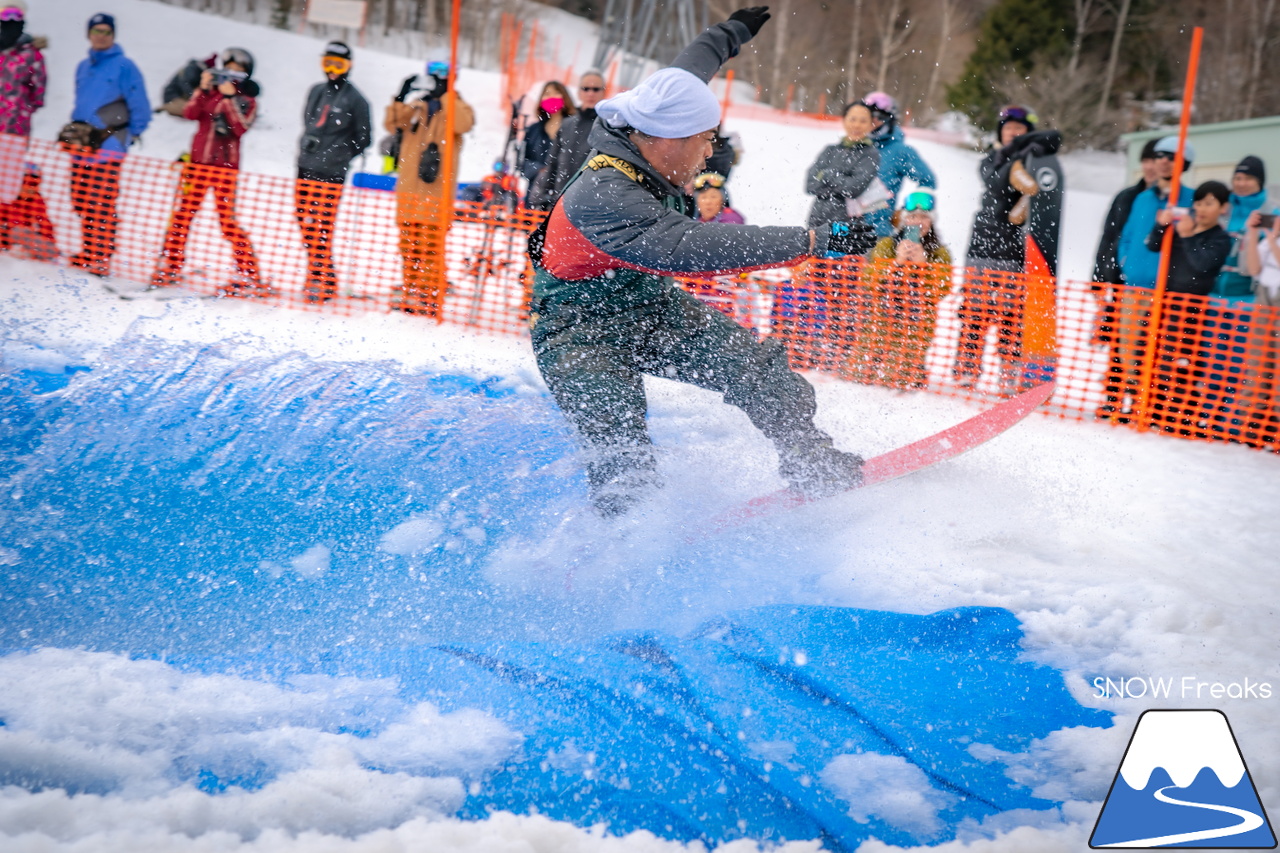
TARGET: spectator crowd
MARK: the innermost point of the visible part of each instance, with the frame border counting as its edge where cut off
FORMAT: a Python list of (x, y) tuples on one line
[(1222, 242)]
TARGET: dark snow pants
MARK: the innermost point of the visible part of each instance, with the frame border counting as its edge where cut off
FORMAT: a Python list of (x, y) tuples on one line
[(593, 358)]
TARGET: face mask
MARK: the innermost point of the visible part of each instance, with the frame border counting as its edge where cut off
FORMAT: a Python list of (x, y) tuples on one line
[(552, 105)]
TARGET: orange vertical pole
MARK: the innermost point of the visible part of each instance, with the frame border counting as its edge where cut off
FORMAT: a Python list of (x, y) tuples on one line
[(1143, 420), (613, 73), (791, 93), (450, 159), (728, 96), (822, 104)]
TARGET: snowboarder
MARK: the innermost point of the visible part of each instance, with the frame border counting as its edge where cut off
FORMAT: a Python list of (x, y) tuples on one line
[(606, 311)]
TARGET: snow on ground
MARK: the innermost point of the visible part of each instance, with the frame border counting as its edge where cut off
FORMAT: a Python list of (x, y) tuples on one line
[(1121, 554)]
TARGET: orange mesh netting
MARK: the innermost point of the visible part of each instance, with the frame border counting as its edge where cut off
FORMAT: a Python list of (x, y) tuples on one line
[(346, 250)]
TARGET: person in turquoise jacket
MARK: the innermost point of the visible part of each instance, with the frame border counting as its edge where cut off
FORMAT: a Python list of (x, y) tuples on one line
[(1248, 193), (1139, 264), (898, 160)]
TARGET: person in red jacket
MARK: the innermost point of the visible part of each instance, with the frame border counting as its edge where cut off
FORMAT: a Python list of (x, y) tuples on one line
[(224, 108)]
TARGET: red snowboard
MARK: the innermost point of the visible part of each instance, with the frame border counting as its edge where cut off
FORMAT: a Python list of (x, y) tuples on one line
[(939, 447)]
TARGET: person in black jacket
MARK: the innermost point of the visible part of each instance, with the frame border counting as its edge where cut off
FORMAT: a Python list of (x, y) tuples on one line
[(997, 247), (1107, 272), (336, 129), (570, 148), (1200, 248)]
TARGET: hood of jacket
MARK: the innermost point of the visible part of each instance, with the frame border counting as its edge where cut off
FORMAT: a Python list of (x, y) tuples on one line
[(895, 138)]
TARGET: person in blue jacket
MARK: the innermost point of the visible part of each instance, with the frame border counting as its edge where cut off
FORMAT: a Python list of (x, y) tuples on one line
[(898, 160), (112, 97), (1140, 265), (1248, 193)]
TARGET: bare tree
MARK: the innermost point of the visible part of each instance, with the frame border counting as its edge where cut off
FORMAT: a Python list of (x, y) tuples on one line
[(780, 51), (855, 53), (1086, 12), (1108, 79), (893, 32), (1261, 36), (948, 19)]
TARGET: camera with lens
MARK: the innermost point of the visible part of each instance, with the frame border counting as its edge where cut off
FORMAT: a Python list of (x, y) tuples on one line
[(224, 75)]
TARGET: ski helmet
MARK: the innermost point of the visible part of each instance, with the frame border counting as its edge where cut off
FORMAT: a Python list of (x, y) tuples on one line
[(240, 57), (882, 105), (1021, 114)]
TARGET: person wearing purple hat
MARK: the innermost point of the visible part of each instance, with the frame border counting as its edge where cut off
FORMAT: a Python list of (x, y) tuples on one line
[(111, 97)]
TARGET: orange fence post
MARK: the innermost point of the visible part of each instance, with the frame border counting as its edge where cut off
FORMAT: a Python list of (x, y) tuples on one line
[(1143, 419), (724, 104), (791, 92)]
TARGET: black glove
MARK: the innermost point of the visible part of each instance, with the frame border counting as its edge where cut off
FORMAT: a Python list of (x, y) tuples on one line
[(851, 237), (405, 88), (753, 16)]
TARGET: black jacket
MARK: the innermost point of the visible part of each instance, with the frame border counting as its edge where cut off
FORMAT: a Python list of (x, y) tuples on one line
[(841, 172), (568, 153), (1195, 261), (336, 128), (536, 150), (994, 237), (1106, 266)]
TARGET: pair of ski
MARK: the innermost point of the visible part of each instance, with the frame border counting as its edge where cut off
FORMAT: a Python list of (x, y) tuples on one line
[(947, 444)]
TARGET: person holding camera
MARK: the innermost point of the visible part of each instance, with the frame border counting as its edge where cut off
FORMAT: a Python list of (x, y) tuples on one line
[(224, 108), (336, 130), (422, 192), (908, 273), (111, 111)]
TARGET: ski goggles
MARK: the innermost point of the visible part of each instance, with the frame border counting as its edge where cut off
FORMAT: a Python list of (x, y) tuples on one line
[(11, 13), (439, 70), (1020, 114), (335, 64), (709, 179), (919, 201)]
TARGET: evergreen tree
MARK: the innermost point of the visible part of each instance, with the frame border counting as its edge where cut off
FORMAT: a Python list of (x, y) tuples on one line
[(1013, 37)]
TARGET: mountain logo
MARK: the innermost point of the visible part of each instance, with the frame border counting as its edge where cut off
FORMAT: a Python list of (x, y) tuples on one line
[(1183, 783)]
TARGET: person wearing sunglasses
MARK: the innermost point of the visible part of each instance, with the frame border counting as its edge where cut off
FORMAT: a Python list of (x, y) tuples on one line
[(898, 160), (336, 128), (22, 83), (606, 310), (908, 273), (423, 190), (570, 148), (110, 97), (991, 298)]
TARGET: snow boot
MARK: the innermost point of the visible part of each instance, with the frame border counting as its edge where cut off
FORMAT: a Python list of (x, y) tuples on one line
[(620, 478), (816, 469)]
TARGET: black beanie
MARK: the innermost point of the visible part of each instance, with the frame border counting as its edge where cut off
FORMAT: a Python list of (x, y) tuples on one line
[(338, 48), (1149, 150), (1254, 167)]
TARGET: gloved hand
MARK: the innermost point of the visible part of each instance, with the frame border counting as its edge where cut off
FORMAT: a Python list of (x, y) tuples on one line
[(753, 16), (850, 237), (405, 88)]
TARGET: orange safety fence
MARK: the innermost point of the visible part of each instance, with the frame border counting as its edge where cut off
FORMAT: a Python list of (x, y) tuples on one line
[(346, 250)]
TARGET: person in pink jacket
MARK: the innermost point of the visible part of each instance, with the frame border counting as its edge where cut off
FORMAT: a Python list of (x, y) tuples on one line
[(22, 82)]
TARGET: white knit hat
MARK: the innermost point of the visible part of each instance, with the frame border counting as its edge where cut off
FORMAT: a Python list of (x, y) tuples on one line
[(672, 104)]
